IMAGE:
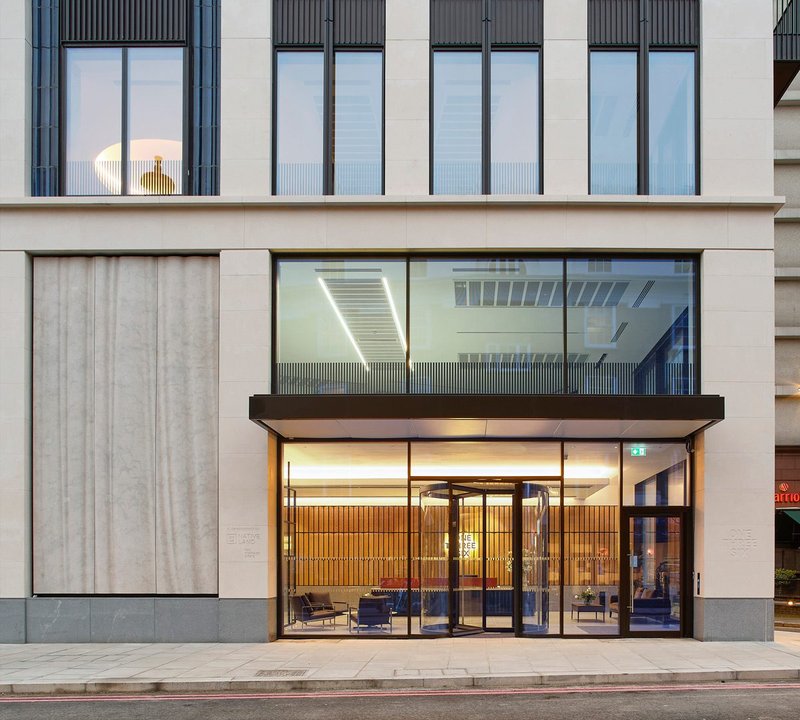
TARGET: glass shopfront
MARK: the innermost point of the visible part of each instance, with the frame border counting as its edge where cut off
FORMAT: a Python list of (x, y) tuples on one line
[(445, 538)]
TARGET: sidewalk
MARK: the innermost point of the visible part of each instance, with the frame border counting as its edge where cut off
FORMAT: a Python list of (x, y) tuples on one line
[(369, 664)]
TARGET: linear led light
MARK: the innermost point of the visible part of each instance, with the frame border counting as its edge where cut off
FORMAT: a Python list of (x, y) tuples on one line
[(395, 316), (343, 322)]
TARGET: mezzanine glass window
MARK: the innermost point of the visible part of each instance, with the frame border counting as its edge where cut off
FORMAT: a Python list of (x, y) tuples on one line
[(478, 325), (124, 121), (486, 326), (631, 324)]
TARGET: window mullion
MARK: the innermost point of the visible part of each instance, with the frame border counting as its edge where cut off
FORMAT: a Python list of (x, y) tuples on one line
[(486, 99), (124, 149), (644, 110), (328, 100)]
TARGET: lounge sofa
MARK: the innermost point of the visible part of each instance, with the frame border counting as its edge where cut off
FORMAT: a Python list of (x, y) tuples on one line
[(646, 604)]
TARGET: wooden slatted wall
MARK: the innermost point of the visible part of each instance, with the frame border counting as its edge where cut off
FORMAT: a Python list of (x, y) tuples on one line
[(353, 545)]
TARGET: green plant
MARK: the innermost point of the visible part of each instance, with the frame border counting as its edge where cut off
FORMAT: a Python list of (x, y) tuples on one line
[(588, 595), (784, 576)]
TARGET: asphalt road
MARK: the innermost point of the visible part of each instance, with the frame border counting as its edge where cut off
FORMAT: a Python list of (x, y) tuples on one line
[(726, 702)]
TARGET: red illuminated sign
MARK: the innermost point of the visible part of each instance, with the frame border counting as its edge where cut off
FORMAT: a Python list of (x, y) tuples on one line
[(787, 494)]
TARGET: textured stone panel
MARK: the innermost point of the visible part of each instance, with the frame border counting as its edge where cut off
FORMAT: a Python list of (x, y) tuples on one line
[(187, 425), (243, 620), (63, 426), (125, 410), (12, 620), (58, 620), (187, 619), (121, 619), (734, 619)]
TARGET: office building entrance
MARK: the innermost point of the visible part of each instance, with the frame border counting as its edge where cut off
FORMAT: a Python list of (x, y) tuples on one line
[(484, 557)]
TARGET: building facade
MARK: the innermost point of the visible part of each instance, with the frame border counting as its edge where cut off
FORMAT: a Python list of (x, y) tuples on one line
[(370, 317)]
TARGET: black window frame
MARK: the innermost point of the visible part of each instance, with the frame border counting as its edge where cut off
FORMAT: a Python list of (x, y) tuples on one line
[(329, 48), (486, 48), (643, 49), (564, 256), (187, 98)]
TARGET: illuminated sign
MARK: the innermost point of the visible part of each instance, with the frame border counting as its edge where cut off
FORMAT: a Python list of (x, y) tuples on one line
[(787, 494), (638, 452)]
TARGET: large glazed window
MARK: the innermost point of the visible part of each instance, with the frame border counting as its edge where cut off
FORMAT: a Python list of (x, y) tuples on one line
[(480, 325), (672, 123), (515, 123), (341, 326), (457, 123), (631, 323), (299, 124), (613, 130), (486, 326), (125, 121)]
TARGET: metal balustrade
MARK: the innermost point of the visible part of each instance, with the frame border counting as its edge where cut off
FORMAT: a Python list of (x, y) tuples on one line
[(502, 378)]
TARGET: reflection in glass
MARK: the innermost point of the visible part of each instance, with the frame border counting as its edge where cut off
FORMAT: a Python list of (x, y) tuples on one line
[(672, 123), (345, 535), (540, 564), (94, 121), (457, 123), (655, 474), (486, 326), (155, 121), (358, 123), (515, 122), (613, 123), (655, 574), (591, 538), (341, 326), (630, 324), (299, 120)]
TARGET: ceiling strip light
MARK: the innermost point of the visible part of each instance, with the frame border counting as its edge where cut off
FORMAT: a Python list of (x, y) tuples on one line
[(395, 316), (344, 323)]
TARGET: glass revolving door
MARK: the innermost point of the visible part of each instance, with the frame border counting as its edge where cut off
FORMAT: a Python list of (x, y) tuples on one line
[(484, 557)]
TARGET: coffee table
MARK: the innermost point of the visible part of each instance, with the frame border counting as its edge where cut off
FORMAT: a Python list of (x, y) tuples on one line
[(582, 607)]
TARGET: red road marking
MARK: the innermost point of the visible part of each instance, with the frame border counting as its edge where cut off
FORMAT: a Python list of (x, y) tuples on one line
[(397, 693)]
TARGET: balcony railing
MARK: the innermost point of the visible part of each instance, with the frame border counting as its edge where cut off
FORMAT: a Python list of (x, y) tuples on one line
[(437, 378)]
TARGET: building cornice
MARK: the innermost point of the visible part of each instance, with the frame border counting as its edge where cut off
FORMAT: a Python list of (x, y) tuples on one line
[(546, 201)]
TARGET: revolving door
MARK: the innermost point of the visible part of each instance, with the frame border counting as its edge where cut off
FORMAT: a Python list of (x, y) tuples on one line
[(484, 557)]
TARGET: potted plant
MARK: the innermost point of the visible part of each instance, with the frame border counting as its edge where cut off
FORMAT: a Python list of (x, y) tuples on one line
[(588, 596)]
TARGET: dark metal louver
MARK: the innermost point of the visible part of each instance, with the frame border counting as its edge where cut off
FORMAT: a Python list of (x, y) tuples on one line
[(124, 21)]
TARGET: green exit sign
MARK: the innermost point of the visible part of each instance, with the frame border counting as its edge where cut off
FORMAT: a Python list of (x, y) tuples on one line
[(638, 452)]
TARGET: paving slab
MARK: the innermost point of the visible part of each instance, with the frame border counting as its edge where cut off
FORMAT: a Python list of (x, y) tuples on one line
[(338, 664)]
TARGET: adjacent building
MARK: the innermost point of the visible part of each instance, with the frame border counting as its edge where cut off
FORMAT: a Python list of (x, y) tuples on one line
[(370, 317)]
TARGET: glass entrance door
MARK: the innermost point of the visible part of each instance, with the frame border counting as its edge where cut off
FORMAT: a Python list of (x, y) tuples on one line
[(484, 559), (654, 598)]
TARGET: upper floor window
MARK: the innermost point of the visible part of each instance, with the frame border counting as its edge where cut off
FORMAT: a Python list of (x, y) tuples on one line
[(486, 111), (644, 120), (328, 123), (349, 160), (125, 102), (124, 132)]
